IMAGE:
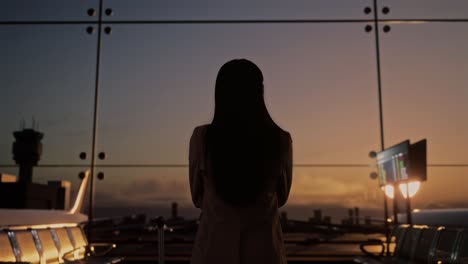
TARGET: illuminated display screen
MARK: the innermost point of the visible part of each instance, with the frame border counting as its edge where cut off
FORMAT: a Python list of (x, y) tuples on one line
[(402, 165), (393, 164), (394, 169)]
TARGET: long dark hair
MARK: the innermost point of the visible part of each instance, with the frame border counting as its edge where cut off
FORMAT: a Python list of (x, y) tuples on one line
[(243, 140)]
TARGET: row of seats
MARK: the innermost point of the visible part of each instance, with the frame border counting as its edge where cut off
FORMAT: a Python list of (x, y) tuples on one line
[(48, 245), (423, 244)]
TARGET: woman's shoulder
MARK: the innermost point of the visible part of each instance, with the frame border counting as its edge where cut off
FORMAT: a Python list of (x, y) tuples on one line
[(200, 129), (197, 142), (199, 132), (285, 135)]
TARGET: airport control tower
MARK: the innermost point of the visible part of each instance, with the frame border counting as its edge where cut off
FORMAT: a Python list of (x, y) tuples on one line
[(27, 151), (23, 193)]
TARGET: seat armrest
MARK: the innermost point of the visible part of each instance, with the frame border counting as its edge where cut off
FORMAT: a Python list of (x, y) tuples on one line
[(373, 242), (100, 249), (93, 249), (71, 255)]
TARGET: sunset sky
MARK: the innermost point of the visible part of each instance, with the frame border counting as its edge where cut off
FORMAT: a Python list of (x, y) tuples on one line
[(157, 84)]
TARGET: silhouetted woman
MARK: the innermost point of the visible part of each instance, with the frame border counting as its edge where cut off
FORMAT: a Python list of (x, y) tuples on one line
[(240, 173)]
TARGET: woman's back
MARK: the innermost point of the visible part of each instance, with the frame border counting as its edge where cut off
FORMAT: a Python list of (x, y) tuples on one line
[(229, 233)]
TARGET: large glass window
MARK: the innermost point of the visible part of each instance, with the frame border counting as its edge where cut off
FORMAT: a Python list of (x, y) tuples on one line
[(49, 10), (422, 9), (151, 191), (335, 191), (45, 175), (48, 75), (157, 84), (424, 88), (148, 10), (158, 64), (434, 194)]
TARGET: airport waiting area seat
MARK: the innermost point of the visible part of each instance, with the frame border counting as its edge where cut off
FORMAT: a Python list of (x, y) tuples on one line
[(51, 246), (422, 244)]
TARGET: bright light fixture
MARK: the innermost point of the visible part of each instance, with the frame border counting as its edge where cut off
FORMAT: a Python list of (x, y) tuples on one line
[(413, 188), (389, 191)]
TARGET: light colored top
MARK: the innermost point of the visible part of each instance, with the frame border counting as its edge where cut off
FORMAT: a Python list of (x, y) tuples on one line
[(229, 234)]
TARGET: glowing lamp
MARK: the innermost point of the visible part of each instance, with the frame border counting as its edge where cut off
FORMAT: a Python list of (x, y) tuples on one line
[(389, 191), (410, 188)]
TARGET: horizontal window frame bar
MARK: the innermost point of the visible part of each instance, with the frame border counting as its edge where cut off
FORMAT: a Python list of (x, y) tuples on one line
[(299, 165), (239, 21)]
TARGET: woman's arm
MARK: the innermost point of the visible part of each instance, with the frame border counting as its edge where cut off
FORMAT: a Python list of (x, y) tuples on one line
[(285, 180), (195, 166)]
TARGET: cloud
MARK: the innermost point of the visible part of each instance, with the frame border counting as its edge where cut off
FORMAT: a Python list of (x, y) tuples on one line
[(309, 188), (342, 191), (146, 192)]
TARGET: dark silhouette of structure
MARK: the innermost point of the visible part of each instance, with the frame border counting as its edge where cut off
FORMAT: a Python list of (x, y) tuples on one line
[(356, 215), (174, 210), (351, 216), (367, 221), (23, 193), (27, 151), (318, 215), (317, 219)]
